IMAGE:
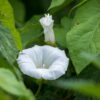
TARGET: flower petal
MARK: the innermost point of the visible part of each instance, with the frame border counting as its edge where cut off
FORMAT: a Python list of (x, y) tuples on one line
[(35, 54), (51, 54)]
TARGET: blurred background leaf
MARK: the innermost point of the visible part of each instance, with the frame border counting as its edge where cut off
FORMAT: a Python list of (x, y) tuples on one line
[(82, 86), (31, 30), (66, 23), (36, 7), (4, 96), (10, 84), (92, 73), (19, 11), (60, 34)]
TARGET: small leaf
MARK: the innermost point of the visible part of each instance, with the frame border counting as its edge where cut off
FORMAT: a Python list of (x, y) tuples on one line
[(56, 3)]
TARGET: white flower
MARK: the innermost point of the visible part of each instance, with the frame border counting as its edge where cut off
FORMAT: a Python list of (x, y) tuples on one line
[(43, 62), (47, 24)]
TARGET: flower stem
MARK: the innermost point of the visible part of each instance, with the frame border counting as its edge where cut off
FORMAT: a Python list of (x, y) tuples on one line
[(39, 88)]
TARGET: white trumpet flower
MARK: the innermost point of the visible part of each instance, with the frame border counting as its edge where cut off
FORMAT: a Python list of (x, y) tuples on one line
[(47, 24), (43, 62)]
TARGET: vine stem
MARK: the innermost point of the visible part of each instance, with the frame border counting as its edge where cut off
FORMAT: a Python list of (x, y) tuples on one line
[(39, 88), (81, 3)]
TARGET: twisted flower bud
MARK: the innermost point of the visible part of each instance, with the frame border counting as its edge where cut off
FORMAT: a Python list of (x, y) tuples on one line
[(47, 24)]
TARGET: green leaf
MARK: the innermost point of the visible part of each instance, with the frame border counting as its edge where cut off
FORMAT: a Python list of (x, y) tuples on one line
[(10, 84), (7, 46), (31, 30), (82, 86), (3, 62), (4, 96), (79, 96), (66, 23), (56, 3), (19, 10), (84, 36), (89, 73), (61, 31), (60, 35), (7, 19), (86, 11), (8, 51), (94, 59)]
